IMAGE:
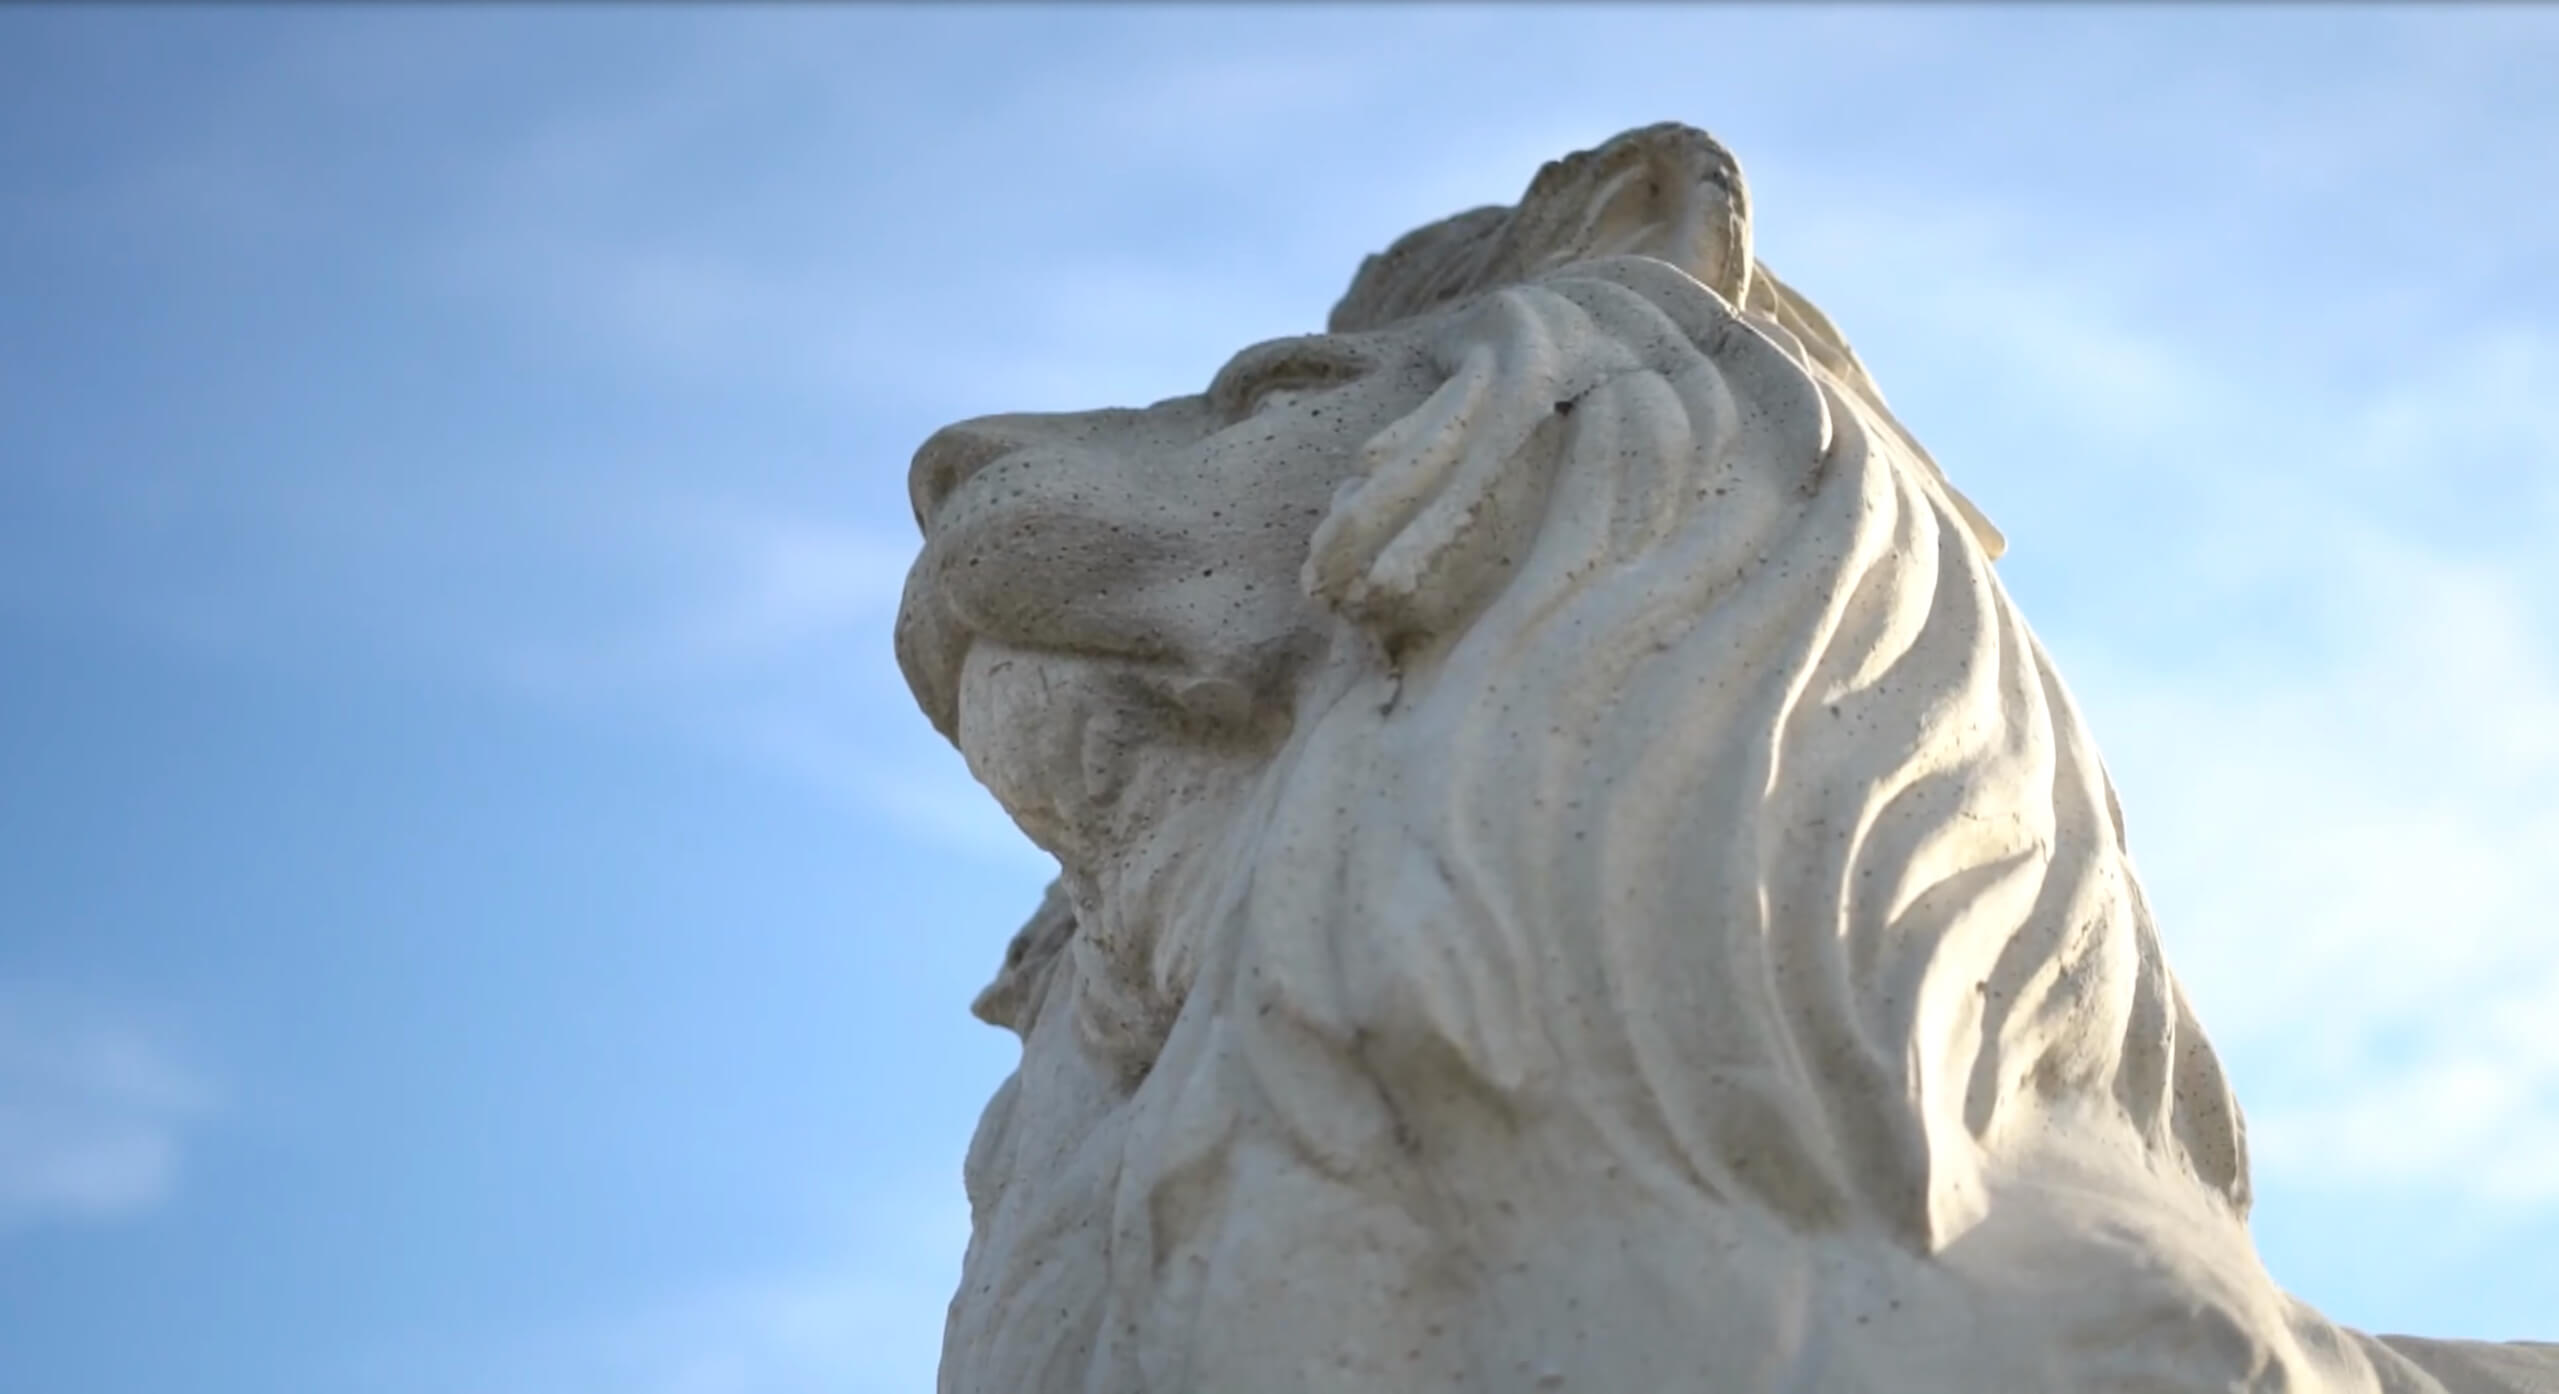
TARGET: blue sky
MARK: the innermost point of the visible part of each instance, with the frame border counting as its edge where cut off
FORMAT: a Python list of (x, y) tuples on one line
[(480, 913)]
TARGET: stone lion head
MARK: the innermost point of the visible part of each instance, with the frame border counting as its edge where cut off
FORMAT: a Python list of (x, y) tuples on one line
[(1575, 872)]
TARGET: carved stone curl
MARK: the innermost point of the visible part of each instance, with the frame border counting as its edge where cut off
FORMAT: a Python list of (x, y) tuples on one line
[(1576, 874)]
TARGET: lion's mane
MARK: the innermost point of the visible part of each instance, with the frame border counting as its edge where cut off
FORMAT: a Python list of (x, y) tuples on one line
[(1747, 779)]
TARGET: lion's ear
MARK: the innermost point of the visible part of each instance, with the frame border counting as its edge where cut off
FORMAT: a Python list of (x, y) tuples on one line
[(1669, 191), (1449, 498)]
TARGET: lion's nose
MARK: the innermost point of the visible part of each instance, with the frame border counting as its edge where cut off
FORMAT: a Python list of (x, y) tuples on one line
[(950, 456)]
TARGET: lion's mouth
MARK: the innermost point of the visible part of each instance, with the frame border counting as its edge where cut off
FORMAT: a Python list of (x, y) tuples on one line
[(932, 639), (1041, 577), (936, 636)]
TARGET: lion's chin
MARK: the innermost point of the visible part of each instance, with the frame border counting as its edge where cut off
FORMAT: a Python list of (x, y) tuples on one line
[(1020, 718)]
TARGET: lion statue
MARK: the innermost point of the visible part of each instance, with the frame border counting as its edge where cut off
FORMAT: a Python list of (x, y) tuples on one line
[(1575, 874)]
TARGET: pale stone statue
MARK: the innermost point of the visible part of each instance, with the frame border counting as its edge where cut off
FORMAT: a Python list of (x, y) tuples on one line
[(1576, 875)]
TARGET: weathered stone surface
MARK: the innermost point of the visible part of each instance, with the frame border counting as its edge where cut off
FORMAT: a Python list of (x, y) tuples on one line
[(1576, 874)]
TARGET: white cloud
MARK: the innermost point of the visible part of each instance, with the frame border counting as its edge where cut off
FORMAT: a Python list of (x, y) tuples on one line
[(753, 587), (2357, 863), (921, 786), (816, 1332), (800, 582), (772, 643), (93, 1108), (865, 1323)]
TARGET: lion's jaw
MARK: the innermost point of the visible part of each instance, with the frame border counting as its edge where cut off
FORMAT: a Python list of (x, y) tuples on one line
[(1136, 796)]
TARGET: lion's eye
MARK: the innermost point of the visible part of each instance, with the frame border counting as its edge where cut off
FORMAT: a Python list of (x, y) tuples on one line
[(1272, 373), (1286, 386)]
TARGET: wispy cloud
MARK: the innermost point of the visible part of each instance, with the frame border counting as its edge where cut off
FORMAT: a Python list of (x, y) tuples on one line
[(2355, 859), (2352, 836), (94, 1108), (718, 586), (919, 786), (815, 1332), (863, 1323), (767, 636)]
